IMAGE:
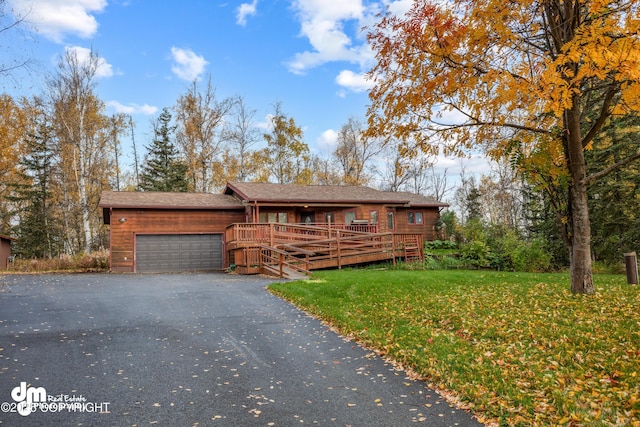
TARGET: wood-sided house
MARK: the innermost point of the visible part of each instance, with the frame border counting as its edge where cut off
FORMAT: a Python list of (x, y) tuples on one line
[(5, 251), (153, 231)]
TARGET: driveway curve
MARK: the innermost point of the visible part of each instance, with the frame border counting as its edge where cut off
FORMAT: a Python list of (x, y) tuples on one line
[(187, 350)]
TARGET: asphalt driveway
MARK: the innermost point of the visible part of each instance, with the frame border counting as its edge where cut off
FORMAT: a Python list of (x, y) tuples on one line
[(186, 350)]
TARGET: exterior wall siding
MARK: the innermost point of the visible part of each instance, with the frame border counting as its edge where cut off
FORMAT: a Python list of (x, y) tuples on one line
[(5, 253), (161, 221), (430, 217)]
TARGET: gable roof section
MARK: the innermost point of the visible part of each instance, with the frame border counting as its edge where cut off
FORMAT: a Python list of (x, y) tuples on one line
[(161, 200), (291, 193)]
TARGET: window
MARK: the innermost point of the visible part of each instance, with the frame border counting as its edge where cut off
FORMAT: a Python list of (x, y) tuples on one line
[(349, 217), (414, 218), (390, 220), (273, 217), (373, 217)]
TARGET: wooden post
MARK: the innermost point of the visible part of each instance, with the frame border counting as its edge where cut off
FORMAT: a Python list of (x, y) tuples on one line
[(631, 267), (338, 246), (271, 238)]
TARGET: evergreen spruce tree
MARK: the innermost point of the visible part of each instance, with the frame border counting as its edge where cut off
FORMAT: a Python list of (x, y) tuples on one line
[(614, 199), (163, 169), (37, 231)]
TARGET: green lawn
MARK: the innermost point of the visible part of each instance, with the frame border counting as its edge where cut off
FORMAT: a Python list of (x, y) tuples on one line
[(516, 348)]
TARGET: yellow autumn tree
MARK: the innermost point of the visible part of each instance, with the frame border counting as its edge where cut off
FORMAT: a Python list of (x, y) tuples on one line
[(13, 125), (199, 120), (533, 80)]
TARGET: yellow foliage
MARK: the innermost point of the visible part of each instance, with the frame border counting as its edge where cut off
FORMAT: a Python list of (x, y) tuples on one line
[(13, 128), (489, 64)]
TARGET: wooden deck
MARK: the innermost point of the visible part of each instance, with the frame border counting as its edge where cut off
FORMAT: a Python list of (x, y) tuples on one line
[(292, 250)]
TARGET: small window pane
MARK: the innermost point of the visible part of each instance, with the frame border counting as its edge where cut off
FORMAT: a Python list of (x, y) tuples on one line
[(349, 217), (390, 221), (282, 217), (418, 217), (411, 217), (374, 217)]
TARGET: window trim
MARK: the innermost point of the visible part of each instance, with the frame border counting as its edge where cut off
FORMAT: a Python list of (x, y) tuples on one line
[(416, 214), (278, 215)]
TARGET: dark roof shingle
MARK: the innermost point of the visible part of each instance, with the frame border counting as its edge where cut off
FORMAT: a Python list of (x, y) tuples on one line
[(287, 193), (161, 200)]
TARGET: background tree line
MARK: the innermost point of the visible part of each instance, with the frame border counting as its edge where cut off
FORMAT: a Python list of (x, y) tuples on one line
[(61, 150)]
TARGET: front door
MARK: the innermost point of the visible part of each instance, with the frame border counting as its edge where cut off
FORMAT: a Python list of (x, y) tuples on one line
[(308, 217)]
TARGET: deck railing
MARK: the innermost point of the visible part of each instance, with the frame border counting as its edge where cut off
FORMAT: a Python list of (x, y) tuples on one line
[(315, 245), (273, 232), (282, 262)]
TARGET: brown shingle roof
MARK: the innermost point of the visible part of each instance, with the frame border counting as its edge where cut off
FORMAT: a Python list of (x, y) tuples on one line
[(415, 199), (288, 193), (160, 200)]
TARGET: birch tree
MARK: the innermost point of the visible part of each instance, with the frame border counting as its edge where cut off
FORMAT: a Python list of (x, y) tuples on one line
[(355, 152), (241, 134), (83, 134), (199, 119), (288, 155)]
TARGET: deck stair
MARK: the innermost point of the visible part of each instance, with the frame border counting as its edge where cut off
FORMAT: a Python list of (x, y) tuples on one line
[(412, 250)]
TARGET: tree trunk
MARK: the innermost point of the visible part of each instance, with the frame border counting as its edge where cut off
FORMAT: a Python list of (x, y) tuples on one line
[(86, 217), (580, 226)]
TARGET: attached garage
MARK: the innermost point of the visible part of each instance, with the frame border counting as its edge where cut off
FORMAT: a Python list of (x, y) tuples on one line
[(157, 253), (168, 232)]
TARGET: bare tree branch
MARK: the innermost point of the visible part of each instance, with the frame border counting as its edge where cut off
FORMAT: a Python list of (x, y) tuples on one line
[(606, 171)]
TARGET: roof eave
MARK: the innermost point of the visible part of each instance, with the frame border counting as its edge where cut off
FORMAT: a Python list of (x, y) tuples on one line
[(168, 207)]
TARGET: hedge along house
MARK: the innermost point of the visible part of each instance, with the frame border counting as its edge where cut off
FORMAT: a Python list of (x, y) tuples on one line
[(189, 231)]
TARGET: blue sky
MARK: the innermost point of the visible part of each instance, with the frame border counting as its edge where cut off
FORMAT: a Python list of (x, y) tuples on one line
[(309, 55)]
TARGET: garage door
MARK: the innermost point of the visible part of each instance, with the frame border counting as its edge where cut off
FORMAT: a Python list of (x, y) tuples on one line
[(178, 252)]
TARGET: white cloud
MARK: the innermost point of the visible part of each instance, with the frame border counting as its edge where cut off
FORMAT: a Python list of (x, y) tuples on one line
[(188, 66), (323, 24), (244, 10), (83, 54), (327, 141), (145, 109), (353, 81), (267, 123), (56, 18), (399, 7)]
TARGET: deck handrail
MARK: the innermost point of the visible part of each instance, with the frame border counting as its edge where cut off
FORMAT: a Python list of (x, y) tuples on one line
[(263, 232), (284, 259), (315, 245)]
